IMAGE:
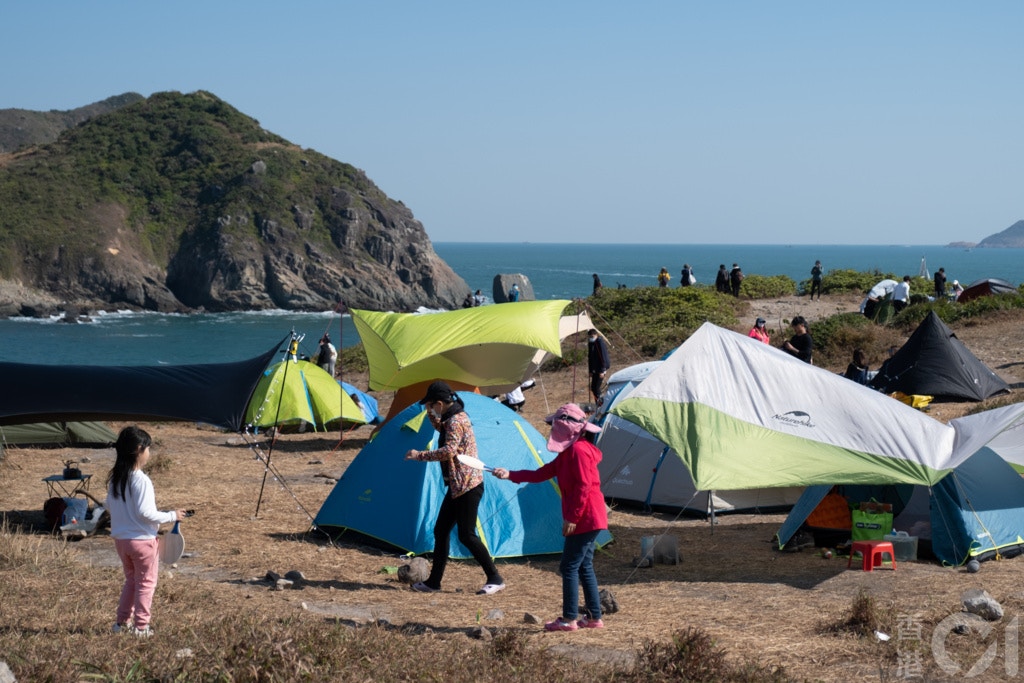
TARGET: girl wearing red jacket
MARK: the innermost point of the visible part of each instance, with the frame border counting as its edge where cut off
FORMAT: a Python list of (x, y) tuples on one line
[(584, 514)]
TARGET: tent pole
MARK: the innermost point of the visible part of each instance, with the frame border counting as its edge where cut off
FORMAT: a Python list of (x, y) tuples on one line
[(339, 371), (711, 508), (293, 347)]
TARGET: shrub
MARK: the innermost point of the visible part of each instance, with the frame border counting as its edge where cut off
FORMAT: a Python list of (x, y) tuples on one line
[(694, 657), (866, 616), (836, 337), (766, 287), (353, 359), (654, 320), (987, 304), (846, 280), (840, 331)]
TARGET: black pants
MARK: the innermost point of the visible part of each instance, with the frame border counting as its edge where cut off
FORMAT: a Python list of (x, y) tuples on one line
[(460, 512), (815, 287), (596, 384)]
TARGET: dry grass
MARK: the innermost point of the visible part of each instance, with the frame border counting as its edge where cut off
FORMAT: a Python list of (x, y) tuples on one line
[(732, 593)]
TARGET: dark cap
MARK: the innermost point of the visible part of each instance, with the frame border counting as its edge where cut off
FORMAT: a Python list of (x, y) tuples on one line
[(439, 391), (760, 321)]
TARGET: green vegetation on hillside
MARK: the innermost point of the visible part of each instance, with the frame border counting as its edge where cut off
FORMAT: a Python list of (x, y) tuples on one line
[(22, 128), (150, 172), (652, 321)]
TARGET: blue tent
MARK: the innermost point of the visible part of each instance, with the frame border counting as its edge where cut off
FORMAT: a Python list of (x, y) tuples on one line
[(385, 497), (974, 512), (367, 403)]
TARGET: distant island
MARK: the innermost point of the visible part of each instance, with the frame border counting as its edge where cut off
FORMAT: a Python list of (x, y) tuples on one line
[(1011, 238)]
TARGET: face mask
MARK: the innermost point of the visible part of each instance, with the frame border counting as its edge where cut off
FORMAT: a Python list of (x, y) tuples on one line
[(593, 339), (434, 414)]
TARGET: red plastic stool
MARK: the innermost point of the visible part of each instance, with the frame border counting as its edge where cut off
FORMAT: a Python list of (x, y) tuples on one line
[(872, 552)]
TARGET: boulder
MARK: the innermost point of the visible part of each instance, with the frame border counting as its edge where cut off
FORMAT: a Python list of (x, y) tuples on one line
[(978, 601), (416, 571), (503, 283)]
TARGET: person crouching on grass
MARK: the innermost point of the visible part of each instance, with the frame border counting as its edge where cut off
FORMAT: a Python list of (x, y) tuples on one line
[(465, 487), (134, 522), (584, 514)]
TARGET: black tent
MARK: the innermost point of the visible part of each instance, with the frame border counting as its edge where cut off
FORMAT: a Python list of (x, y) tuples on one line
[(212, 393), (986, 287), (934, 362)]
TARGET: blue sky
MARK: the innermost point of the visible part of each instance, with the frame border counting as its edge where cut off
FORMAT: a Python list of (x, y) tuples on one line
[(606, 122)]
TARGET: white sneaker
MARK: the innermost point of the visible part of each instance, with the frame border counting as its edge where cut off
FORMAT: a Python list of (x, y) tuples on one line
[(144, 632), (491, 588)]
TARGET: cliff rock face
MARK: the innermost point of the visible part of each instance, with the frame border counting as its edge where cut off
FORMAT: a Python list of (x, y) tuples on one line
[(1013, 236), (180, 202)]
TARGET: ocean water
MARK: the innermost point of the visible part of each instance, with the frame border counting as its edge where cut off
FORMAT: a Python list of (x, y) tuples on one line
[(556, 271), (565, 270)]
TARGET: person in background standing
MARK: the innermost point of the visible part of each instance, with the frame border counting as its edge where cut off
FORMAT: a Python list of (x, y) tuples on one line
[(134, 522), (800, 344), (958, 289), (513, 294), (684, 275), (816, 280), (584, 513), (328, 355), (940, 284), (464, 487), (478, 298), (722, 280), (759, 332), (598, 363), (663, 278), (735, 279), (901, 294), (597, 284)]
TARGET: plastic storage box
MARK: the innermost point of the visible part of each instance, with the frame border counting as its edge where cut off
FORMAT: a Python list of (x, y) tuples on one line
[(904, 545)]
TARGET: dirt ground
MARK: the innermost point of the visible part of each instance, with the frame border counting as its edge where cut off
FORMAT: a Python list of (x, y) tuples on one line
[(757, 603)]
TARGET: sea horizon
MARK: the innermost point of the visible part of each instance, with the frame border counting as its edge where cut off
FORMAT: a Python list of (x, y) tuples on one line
[(554, 270)]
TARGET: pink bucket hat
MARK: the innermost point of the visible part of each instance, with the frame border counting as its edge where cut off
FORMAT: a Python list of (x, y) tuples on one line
[(567, 424)]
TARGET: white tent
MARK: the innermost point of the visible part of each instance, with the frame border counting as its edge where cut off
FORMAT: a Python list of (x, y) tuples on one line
[(638, 467), (742, 414)]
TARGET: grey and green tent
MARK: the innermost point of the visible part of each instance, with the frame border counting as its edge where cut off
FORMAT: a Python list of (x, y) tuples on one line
[(741, 414), (81, 434)]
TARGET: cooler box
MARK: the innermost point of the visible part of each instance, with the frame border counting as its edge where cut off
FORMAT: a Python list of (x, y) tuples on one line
[(904, 546)]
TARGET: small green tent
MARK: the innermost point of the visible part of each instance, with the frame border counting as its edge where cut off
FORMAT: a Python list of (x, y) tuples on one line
[(290, 392)]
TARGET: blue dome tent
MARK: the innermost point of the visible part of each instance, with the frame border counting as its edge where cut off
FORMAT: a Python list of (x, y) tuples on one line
[(391, 500)]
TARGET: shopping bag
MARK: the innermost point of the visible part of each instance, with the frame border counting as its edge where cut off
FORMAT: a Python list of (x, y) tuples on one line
[(871, 521)]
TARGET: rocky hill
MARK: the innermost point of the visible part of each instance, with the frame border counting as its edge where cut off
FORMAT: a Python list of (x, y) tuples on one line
[(180, 202), (23, 127), (1013, 236)]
